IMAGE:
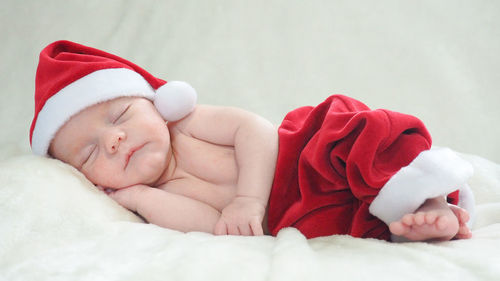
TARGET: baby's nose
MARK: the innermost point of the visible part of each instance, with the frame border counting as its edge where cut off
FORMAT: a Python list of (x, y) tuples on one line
[(113, 141), (116, 144)]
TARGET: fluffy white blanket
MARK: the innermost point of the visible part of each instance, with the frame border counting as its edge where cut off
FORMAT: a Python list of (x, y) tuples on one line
[(56, 226)]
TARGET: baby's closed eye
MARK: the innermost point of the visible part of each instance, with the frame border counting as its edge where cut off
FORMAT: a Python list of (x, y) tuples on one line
[(89, 151), (121, 114)]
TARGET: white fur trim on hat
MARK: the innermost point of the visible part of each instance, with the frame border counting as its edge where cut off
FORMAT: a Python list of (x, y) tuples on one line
[(98, 86), (436, 172)]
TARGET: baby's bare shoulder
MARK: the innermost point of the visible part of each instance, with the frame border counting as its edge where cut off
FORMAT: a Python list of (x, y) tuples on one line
[(215, 124), (201, 114), (204, 114)]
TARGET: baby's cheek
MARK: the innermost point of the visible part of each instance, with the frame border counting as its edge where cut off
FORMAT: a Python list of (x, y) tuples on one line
[(104, 177)]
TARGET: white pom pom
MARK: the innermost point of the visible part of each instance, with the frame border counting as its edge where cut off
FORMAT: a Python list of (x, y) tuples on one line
[(175, 100)]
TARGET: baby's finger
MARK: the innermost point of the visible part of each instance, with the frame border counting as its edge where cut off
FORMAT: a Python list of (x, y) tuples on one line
[(220, 228), (244, 229), (256, 227), (232, 229)]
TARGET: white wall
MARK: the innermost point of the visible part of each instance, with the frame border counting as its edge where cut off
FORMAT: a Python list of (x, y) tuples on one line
[(438, 60)]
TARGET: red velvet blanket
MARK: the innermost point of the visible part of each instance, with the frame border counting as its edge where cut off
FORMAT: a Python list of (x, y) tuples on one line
[(333, 160)]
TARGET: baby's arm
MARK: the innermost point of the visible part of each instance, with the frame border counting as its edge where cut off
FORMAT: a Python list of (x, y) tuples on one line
[(167, 209), (255, 141)]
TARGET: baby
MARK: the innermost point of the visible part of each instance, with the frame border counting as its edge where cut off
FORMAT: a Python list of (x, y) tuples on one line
[(338, 168)]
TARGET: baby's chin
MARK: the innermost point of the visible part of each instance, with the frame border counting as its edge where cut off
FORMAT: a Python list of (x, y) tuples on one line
[(149, 173), (131, 178)]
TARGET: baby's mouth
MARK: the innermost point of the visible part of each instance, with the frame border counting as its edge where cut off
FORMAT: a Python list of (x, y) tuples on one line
[(130, 153)]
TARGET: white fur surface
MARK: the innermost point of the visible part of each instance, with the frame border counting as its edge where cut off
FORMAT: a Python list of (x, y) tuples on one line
[(84, 235)]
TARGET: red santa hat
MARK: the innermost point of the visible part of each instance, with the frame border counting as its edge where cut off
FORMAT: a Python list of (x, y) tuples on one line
[(71, 77)]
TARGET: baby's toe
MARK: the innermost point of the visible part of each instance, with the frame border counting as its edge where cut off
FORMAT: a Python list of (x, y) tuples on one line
[(442, 223), (463, 230), (408, 219), (463, 233), (463, 216), (430, 218), (398, 228), (420, 218)]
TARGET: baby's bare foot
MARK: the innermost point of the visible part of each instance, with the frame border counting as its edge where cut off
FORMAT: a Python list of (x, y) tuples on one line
[(435, 220), (432, 225)]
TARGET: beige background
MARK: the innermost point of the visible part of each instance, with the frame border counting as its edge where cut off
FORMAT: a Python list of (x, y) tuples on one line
[(438, 60)]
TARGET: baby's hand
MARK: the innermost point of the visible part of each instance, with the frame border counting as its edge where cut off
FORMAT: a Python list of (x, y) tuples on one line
[(128, 197), (243, 216)]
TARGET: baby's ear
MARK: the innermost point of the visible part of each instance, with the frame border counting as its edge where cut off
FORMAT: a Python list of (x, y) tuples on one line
[(175, 100), (50, 150), (51, 154)]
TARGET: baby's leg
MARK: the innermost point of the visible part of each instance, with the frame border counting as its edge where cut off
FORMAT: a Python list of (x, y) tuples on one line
[(435, 220)]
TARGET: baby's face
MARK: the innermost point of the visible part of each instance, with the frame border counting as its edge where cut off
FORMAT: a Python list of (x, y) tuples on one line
[(116, 144)]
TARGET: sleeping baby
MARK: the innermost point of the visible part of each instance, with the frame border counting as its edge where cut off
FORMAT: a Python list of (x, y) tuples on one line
[(335, 168)]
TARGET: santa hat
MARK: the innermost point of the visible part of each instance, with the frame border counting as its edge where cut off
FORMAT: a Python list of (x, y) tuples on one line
[(71, 77)]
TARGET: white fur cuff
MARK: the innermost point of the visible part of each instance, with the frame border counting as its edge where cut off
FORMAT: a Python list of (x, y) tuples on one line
[(435, 172)]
